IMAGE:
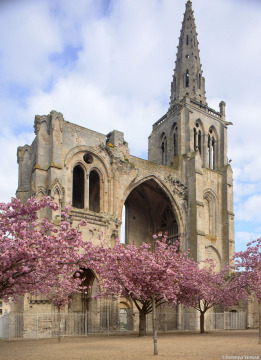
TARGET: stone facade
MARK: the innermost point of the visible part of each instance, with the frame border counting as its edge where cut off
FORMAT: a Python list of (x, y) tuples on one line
[(185, 187)]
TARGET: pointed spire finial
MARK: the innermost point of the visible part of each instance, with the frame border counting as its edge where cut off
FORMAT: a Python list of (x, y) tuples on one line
[(187, 79)]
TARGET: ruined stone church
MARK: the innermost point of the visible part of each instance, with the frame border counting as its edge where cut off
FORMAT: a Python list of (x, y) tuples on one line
[(185, 188)]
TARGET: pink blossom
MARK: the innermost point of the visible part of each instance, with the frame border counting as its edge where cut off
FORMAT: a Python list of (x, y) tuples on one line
[(35, 254), (83, 222)]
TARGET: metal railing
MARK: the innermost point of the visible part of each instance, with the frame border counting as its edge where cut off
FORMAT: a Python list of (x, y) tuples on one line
[(45, 325)]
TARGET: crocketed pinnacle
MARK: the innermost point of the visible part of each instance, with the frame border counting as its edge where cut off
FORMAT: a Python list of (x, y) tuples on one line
[(187, 78)]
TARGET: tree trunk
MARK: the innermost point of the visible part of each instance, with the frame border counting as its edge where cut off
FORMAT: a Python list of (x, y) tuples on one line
[(259, 323), (59, 329), (142, 324), (202, 322), (154, 324)]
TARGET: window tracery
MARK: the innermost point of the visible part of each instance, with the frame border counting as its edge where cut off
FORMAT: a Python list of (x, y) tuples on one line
[(198, 137), (212, 149)]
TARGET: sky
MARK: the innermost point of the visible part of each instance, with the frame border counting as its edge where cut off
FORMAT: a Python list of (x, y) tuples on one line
[(108, 64)]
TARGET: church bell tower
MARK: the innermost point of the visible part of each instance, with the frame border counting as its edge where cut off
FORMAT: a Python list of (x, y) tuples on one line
[(192, 139)]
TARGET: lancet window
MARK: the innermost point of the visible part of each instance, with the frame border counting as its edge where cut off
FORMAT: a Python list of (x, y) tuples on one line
[(187, 78), (212, 145), (78, 187), (86, 185), (94, 191), (175, 138), (199, 81), (197, 138), (210, 212), (164, 150)]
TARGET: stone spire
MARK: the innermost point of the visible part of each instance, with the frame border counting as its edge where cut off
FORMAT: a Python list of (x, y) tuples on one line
[(187, 78)]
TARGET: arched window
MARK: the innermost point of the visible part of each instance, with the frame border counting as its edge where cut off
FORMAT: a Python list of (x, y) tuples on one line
[(175, 138), (199, 141), (164, 151), (195, 139), (94, 191), (212, 155), (210, 213), (187, 78), (209, 151), (199, 81), (187, 40), (78, 187)]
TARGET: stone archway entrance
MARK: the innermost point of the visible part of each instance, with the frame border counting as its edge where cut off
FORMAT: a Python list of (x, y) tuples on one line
[(148, 210), (83, 302)]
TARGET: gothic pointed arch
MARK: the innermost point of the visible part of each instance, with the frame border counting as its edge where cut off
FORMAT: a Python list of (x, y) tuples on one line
[(57, 188), (212, 146), (175, 138), (94, 191), (83, 301), (213, 253), (40, 192), (80, 153), (150, 208), (78, 187), (42, 123), (164, 150), (210, 212), (95, 187), (57, 191), (198, 136), (187, 79)]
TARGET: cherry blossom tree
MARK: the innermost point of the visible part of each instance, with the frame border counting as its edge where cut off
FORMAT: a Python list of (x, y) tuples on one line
[(35, 254), (60, 295), (141, 274), (203, 288), (248, 262)]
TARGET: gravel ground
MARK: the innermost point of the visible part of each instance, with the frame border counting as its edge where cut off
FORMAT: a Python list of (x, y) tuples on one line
[(221, 345)]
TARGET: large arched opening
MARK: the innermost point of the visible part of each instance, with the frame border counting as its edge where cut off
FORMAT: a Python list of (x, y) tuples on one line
[(83, 301), (148, 210)]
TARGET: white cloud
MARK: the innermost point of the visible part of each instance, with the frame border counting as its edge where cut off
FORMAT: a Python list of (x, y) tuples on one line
[(9, 169), (29, 37), (245, 189), (242, 238), (87, 105), (249, 210)]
